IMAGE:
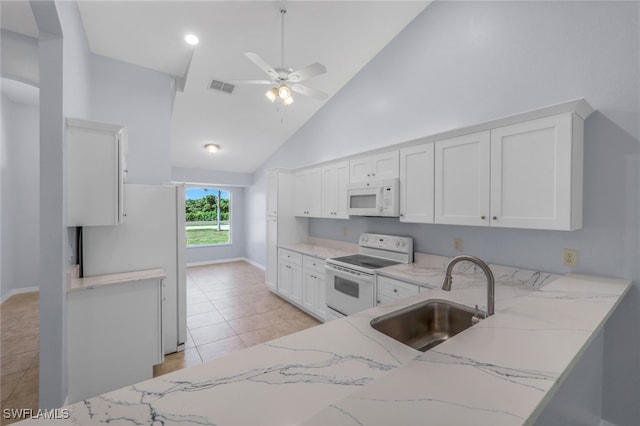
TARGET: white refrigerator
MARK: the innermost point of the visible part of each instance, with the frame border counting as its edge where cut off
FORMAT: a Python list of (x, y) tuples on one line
[(152, 235)]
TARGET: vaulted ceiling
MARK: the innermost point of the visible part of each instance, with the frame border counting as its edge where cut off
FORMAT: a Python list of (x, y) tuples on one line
[(342, 35)]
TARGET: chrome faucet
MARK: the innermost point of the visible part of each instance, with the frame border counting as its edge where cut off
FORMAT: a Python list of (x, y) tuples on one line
[(491, 283)]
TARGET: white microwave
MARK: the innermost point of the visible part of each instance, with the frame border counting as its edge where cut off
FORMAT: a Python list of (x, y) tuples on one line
[(375, 198)]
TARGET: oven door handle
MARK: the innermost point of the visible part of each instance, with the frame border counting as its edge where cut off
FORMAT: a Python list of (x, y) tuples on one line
[(340, 269)]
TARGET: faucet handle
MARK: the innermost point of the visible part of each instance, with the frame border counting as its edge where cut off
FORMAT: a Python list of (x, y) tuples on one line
[(475, 318)]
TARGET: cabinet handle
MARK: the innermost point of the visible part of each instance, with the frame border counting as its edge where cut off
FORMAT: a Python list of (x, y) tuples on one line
[(395, 290), (401, 214), (495, 218), (483, 217), (373, 174)]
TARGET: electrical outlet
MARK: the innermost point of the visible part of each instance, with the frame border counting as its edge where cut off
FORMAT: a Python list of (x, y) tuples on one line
[(569, 257), (457, 244), (344, 231)]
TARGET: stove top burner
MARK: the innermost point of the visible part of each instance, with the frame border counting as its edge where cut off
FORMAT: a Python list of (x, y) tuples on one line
[(364, 261)]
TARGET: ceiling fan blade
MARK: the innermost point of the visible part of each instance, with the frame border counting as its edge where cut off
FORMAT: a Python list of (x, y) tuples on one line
[(256, 59), (307, 72), (308, 91), (251, 82)]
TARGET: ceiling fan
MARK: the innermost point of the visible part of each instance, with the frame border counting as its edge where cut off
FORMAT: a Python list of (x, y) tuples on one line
[(283, 79)]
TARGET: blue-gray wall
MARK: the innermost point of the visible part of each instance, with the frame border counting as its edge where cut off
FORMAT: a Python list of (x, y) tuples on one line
[(463, 63)]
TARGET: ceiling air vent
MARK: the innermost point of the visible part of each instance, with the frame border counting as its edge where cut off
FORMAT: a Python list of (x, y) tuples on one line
[(221, 86)]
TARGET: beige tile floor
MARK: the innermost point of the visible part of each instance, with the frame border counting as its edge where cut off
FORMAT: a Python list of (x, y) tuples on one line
[(228, 308)]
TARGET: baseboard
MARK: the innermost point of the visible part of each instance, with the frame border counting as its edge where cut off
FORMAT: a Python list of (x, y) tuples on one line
[(15, 291), (227, 260), (256, 264), (215, 262)]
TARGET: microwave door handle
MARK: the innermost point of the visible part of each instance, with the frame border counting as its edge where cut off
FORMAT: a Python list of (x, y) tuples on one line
[(380, 195)]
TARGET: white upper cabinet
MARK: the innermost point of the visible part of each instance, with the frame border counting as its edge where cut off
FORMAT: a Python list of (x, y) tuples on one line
[(462, 180), (308, 192), (272, 193), (416, 183), (536, 174), (375, 167), (525, 175), (335, 179), (95, 173)]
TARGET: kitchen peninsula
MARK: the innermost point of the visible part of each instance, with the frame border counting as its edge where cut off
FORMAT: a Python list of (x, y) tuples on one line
[(344, 372)]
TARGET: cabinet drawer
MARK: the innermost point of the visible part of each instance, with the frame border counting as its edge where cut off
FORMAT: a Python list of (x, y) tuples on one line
[(290, 256), (396, 289), (313, 263)]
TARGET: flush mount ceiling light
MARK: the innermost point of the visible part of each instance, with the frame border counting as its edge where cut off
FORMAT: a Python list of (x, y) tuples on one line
[(191, 39), (212, 148)]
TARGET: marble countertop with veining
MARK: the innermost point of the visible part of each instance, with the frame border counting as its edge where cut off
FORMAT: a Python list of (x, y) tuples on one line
[(323, 249), (344, 372)]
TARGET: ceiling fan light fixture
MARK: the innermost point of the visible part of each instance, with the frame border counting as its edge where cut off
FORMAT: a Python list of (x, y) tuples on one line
[(212, 148), (287, 101), (284, 91), (272, 94)]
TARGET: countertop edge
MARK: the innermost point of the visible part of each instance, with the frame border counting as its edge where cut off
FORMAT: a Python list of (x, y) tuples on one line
[(87, 283)]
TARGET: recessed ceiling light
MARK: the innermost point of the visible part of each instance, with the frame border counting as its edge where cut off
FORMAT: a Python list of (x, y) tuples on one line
[(212, 148), (191, 39)]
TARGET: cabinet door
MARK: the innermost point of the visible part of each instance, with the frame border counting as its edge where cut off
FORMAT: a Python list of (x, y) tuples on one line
[(462, 180), (296, 284), (416, 183), (299, 191), (385, 165), (272, 253), (308, 193), (310, 290), (272, 193), (335, 179), (531, 174), (342, 182), (95, 173), (321, 297), (285, 279), (329, 182), (360, 169)]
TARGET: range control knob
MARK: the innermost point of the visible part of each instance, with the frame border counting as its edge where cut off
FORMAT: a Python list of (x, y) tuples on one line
[(397, 243), (403, 244)]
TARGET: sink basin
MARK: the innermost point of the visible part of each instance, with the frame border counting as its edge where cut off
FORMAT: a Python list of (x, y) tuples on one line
[(425, 325)]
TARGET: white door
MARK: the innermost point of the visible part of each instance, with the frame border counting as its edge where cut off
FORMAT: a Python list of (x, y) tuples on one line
[(272, 193), (313, 192), (310, 291), (342, 182), (285, 279), (462, 180), (416, 183), (531, 174), (360, 169), (296, 284), (329, 183), (272, 253), (385, 165)]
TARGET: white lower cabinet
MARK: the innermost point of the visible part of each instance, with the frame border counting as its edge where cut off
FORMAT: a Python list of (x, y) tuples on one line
[(105, 322), (390, 289), (301, 281), (290, 275)]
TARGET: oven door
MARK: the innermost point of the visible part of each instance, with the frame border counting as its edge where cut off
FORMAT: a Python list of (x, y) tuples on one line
[(348, 291)]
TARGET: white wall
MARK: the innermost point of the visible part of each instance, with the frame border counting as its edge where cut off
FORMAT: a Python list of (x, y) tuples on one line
[(20, 195), (142, 100), (210, 177), (462, 63), (19, 57)]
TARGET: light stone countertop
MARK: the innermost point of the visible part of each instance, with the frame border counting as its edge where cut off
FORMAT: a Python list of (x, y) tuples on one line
[(86, 283), (321, 248), (344, 372)]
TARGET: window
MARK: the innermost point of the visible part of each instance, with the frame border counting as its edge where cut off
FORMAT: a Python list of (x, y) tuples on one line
[(207, 216)]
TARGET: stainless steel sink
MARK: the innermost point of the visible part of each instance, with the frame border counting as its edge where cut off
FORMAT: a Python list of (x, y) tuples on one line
[(427, 324)]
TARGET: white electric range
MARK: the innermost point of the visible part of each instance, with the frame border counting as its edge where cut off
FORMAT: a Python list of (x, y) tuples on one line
[(350, 280)]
